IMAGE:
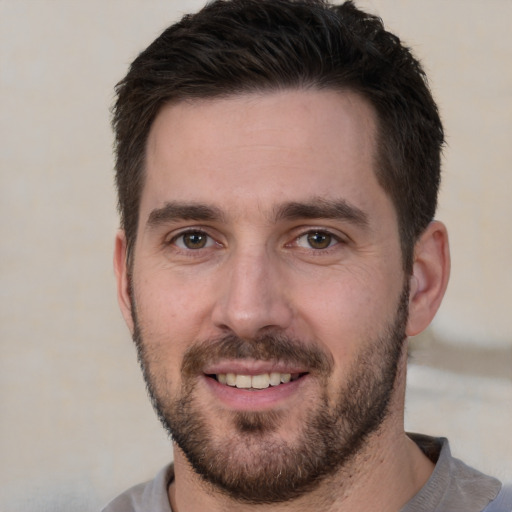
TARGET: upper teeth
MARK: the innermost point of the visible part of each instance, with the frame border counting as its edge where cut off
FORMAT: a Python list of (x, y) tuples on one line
[(254, 381)]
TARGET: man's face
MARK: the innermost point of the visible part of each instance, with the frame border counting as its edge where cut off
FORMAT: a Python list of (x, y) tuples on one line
[(267, 292)]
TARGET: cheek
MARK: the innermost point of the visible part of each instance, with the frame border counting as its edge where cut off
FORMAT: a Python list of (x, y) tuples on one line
[(173, 309), (347, 313)]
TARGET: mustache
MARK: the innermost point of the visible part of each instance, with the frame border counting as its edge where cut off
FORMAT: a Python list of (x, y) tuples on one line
[(267, 347)]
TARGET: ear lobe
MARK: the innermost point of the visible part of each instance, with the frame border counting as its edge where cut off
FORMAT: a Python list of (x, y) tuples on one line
[(122, 278), (431, 270)]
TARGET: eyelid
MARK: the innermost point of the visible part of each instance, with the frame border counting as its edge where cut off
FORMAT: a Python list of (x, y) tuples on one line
[(334, 240), (175, 236), (339, 237)]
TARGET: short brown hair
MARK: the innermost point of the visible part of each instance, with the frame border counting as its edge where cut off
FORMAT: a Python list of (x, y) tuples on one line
[(237, 46)]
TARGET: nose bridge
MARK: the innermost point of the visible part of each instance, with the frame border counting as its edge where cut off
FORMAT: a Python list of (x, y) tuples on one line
[(252, 296)]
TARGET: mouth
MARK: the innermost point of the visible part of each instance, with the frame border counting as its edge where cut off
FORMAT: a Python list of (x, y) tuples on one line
[(255, 382)]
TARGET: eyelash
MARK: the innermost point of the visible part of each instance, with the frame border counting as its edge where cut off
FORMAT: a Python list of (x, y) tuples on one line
[(332, 241), (210, 241), (199, 232)]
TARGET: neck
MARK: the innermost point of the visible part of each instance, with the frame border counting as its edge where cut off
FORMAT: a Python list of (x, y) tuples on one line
[(384, 481)]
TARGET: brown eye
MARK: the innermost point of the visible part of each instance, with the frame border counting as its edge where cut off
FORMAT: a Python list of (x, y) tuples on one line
[(319, 240), (193, 240)]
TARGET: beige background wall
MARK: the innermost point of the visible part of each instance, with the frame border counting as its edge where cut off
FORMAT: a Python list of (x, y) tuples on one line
[(76, 426)]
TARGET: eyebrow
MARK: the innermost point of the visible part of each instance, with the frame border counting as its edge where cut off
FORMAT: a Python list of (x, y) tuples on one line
[(174, 211), (319, 208), (316, 208)]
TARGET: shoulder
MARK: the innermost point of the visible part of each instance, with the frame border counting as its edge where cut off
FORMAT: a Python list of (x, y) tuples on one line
[(453, 485), (503, 502), (150, 495), (129, 501)]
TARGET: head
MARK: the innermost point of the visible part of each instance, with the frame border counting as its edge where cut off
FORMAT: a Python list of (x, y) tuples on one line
[(235, 47), (277, 168)]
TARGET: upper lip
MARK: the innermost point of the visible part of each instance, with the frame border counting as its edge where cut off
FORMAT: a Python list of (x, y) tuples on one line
[(252, 367)]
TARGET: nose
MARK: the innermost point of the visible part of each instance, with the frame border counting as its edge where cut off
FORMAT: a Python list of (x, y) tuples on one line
[(252, 296)]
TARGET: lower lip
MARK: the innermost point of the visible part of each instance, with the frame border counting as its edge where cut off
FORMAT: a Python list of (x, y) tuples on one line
[(253, 400)]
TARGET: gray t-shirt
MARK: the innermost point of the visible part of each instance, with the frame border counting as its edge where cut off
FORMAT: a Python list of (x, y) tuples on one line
[(452, 487)]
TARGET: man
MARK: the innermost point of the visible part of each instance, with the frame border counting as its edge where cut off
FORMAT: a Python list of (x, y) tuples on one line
[(277, 168)]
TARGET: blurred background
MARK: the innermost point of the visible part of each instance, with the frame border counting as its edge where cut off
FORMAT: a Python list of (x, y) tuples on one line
[(76, 427)]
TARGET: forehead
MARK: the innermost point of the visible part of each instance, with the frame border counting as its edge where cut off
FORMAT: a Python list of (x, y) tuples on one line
[(263, 148)]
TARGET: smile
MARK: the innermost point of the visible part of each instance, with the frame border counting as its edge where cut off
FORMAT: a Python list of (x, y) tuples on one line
[(246, 386), (261, 381)]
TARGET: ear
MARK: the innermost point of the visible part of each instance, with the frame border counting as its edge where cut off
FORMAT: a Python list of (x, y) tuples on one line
[(429, 279), (123, 279)]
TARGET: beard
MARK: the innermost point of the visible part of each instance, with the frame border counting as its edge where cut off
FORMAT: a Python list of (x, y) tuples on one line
[(250, 461)]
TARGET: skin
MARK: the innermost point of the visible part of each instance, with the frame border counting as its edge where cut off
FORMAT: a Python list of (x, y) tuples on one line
[(246, 158)]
